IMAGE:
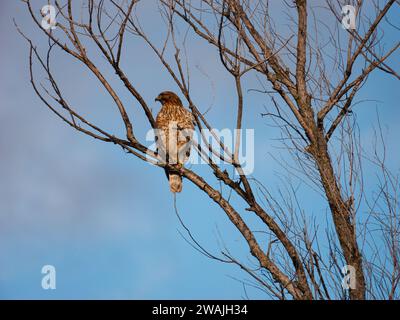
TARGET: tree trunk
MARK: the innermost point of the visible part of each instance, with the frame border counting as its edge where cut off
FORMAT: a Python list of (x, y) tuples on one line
[(341, 214)]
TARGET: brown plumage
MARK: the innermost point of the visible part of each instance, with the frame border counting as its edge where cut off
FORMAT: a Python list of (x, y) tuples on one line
[(174, 126)]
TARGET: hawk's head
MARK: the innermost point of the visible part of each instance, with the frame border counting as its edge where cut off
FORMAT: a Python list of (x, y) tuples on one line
[(169, 97)]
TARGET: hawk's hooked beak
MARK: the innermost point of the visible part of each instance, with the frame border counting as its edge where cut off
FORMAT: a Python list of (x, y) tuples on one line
[(157, 99)]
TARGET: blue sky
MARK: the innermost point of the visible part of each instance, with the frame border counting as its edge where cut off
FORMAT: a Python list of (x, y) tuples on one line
[(104, 219)]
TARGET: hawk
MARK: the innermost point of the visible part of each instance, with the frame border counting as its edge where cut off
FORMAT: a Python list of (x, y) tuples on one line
[(174, 131)]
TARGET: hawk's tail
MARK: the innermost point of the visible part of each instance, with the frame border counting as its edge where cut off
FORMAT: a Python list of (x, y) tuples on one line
[(175, 182)]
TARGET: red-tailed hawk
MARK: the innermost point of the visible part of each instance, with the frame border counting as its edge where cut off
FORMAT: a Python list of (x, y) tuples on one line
[(174, 126)]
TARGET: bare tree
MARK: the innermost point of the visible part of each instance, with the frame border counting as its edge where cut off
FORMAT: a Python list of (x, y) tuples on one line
[(311, 73)]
